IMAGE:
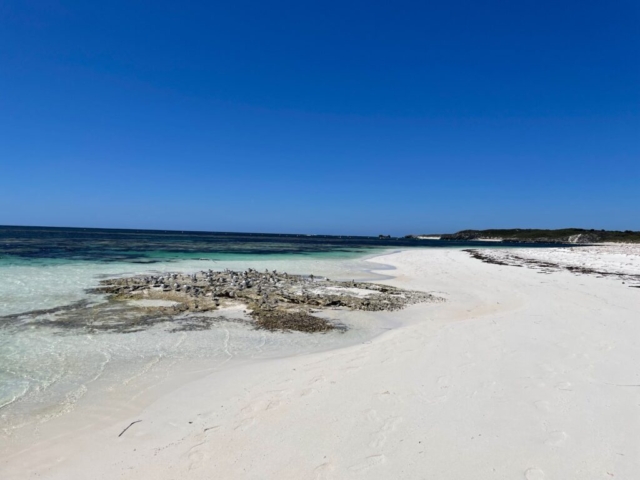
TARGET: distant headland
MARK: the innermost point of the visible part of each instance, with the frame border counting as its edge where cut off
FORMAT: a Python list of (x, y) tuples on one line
[(528, 235)]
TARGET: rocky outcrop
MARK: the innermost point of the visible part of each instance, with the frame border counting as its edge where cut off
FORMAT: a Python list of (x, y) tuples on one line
[(181, 302), (276, 300)]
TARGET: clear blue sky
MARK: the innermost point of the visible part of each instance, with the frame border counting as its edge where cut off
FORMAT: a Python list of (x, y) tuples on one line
[(320, 117)]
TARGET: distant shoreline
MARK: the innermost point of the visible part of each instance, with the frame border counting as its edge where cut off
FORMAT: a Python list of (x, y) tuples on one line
[(519, 235)]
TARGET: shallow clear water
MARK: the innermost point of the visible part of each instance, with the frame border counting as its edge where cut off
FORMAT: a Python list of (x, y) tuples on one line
[(45, 369)]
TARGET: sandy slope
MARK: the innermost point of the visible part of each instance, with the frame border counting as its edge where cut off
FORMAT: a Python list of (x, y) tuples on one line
[(518, 375)]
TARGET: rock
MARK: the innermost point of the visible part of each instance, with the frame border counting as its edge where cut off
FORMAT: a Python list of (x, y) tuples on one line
[(285, 297)]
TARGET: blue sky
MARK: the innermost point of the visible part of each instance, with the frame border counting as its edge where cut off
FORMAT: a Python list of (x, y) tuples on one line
[(320, 117)]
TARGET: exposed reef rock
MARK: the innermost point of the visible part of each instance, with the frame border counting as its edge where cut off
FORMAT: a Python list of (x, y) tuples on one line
[(275, 300)]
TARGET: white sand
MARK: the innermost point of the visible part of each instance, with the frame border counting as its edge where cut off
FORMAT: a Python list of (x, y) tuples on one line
[(152, 303), (618, 258), (519, 375)]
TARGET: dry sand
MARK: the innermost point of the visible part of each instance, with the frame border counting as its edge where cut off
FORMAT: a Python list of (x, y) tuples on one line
[(519, 375)]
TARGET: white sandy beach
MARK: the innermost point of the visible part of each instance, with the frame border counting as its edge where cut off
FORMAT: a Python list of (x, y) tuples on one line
[(518, 375)]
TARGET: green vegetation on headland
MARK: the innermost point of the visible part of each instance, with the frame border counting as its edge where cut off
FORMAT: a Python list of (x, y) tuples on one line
[(528, 235)]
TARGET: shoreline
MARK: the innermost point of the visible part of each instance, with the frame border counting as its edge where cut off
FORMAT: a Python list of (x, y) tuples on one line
[(196, 368), (495, 383)]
